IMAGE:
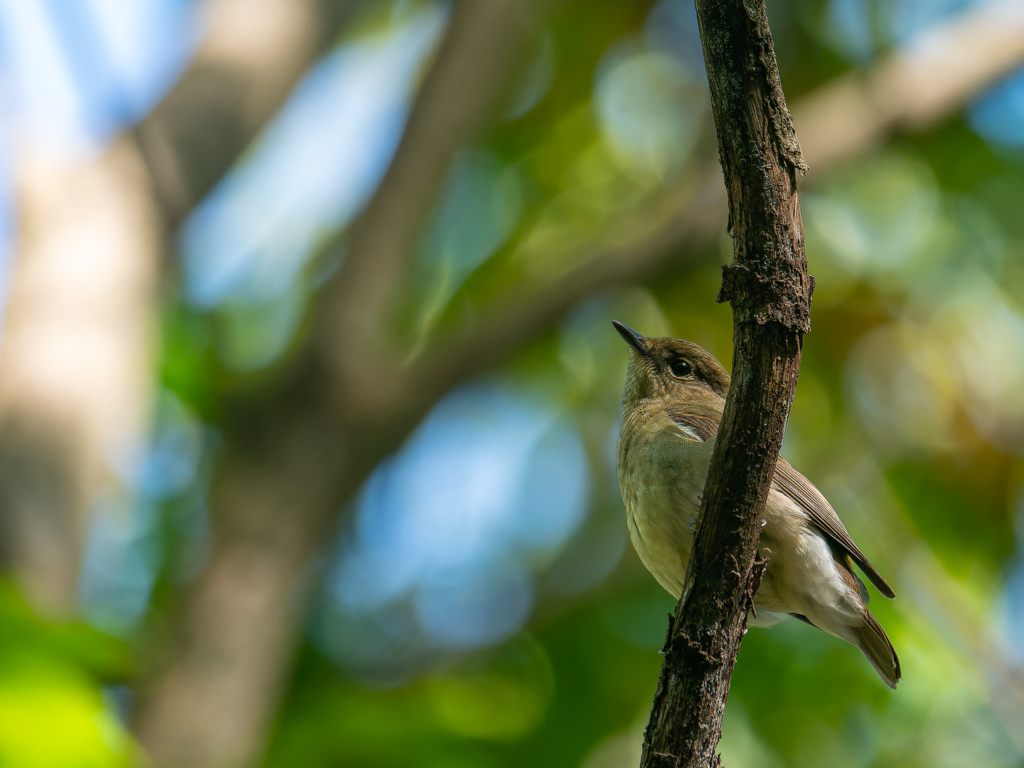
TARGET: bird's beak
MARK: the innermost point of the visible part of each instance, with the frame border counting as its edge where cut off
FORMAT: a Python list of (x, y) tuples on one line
[(634, 339)]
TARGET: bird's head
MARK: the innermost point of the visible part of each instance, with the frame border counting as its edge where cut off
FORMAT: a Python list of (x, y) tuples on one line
[(672, 371)]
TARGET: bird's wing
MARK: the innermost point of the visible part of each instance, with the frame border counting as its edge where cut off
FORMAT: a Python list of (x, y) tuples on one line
[(797, 487), (700, 426), (703, 425)]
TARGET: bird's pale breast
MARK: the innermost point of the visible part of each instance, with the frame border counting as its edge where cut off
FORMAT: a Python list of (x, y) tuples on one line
[(661, 475), (662, 470)]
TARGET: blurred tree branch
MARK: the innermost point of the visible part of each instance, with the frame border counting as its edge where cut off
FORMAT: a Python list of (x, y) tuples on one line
[(296, 452), (301, 446), (836, 124), (915, 87), (483, 43), (75, 366), (77, 358), (770, 292), (253, 54)]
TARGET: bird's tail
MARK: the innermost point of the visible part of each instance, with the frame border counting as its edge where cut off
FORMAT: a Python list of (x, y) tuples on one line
[(873, 643)]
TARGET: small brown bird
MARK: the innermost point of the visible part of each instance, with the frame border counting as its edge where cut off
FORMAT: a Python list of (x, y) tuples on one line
[(672, 406)]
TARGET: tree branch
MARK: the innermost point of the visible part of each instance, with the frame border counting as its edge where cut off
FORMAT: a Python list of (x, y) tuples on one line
[(295, 452), (76, 360), (63, 419), (916, 87), (770, 292), (281, 487), (252, 56), (837, 123), (484, 40)]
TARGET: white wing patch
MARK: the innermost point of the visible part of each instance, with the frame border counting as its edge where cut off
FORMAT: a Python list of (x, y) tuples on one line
[(689, 431)]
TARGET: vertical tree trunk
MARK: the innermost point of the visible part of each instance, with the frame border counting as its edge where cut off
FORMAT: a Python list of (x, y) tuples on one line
[(770, 292), (75, 381), (232, 644), (76, 358)]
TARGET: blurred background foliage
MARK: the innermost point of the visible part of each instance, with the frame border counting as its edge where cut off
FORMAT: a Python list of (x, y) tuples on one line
[(478, 603)]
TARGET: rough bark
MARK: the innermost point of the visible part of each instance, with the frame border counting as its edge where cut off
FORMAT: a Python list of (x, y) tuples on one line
[(363, 422), (770, 292), (196, 134)]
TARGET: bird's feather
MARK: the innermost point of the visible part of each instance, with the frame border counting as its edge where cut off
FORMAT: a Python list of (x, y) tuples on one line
[(798, 488), (704, 425), (802, 491), (875, 645)]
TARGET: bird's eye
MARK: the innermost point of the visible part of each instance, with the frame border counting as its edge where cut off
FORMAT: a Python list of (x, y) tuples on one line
[(680, 369)]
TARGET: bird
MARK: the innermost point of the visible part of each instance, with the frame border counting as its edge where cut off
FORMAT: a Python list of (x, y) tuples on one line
[(672, 406)]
